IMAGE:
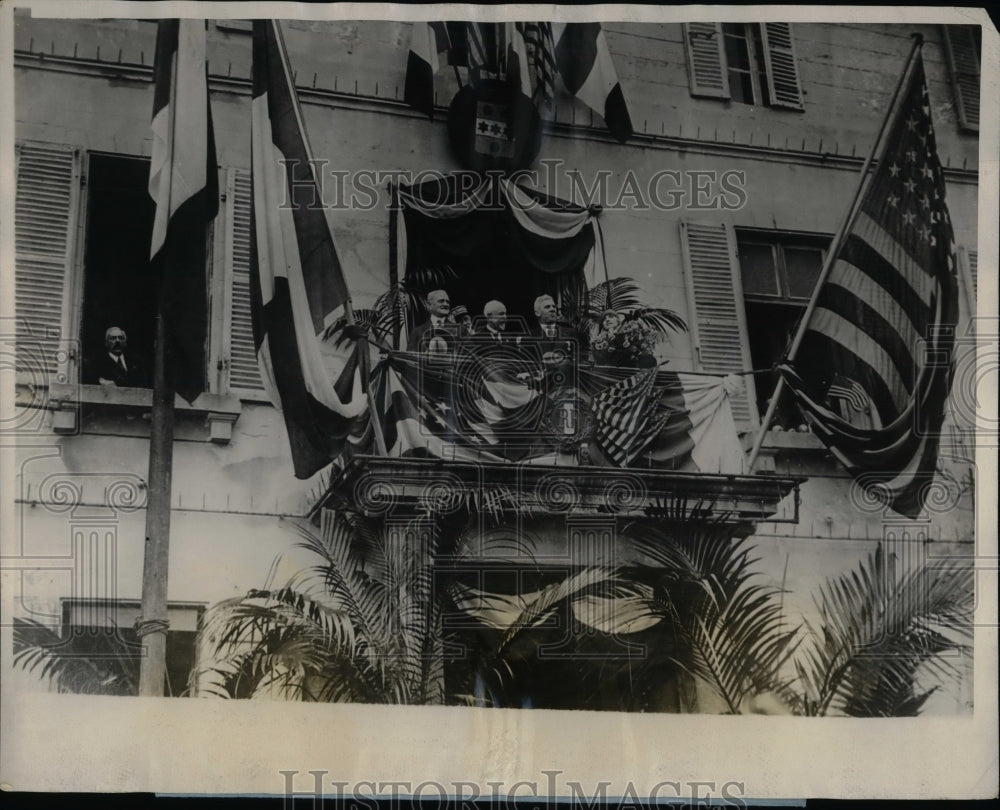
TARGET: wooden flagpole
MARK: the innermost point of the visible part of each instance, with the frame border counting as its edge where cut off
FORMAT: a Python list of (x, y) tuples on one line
[(152, 627), (877, 148)]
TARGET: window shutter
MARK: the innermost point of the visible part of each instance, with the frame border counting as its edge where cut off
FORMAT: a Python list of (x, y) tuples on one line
[(968, 260), (244, 375), (715, 300), (707, 68), (45, 215), (783, 86), (961, 46)]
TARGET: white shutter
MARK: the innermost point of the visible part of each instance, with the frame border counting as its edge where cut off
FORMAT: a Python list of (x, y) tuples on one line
[(715, 301), (783, 86), (45, 215), (961, 46), (238, 345), (706, 57), (968, 260)]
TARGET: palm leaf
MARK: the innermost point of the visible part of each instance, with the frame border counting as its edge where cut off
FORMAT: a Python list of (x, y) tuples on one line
[(877, 629)]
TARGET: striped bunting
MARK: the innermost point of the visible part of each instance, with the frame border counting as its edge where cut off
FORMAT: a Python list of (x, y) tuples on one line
[(883, 327)]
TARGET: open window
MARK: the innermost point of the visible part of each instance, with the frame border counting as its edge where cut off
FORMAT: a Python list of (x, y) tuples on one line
[(118, 288), (749, 63), (779, 273)]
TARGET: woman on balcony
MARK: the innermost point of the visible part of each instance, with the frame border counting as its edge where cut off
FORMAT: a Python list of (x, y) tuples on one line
[(622, 343)]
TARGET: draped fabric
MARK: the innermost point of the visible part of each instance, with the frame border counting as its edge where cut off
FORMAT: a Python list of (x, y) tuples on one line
[(456, 407), (463, 215)]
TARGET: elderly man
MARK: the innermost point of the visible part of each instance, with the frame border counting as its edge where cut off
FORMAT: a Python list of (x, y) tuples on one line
[(495, 328), (112, 367), (435, 334)]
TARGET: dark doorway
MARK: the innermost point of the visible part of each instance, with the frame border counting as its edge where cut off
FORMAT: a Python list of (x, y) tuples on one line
[(118, 289)]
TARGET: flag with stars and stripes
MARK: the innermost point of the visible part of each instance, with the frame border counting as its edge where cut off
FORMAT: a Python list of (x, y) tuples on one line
[(542, 56), (885, 317), (627, 417)]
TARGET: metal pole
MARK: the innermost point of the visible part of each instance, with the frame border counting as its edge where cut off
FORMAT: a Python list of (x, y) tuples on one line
[(831, 256), (152, 626)]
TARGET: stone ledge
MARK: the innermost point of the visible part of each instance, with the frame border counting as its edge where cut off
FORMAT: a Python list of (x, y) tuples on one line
[(216, 413)]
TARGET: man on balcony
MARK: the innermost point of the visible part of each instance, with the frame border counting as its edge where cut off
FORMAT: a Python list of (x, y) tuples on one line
[(436, 335)]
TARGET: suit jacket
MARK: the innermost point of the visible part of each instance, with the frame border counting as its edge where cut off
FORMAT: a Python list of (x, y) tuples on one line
[(105, 368), (422, 333), (564, 341)]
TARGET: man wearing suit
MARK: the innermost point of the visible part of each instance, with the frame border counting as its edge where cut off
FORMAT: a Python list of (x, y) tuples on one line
[(436, 334), (555, 341), (495, 329), (112, 367)]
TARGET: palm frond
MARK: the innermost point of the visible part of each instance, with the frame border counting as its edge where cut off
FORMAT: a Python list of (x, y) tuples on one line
[(877, 628), (45, 652)]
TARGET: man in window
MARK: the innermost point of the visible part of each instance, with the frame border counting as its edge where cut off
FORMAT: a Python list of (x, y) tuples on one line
[(113, 367)]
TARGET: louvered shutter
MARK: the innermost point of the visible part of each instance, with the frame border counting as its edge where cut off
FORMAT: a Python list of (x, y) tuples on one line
[(244, 375), (968, 266), (962, 47), (715, 300), (45, 215), (707, 68), (783, 86)]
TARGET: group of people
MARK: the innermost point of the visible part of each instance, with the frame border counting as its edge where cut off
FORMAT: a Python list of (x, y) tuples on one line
[(447, 328)]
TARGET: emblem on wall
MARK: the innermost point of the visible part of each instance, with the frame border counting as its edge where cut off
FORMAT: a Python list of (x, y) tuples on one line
[(493, 127)]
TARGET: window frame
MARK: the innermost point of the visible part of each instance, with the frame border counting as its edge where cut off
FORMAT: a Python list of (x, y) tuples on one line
[(217, 409)]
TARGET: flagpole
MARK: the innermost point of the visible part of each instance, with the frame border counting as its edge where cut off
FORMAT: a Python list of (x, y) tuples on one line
[(152, 625), (878, 147)]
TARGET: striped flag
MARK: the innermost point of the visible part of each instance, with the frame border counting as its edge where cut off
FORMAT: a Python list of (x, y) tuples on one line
[(427, 40), (518, 70), (184, 185), (541, 51), (585, 65), (298, 288), (885, 318), (627, 417)]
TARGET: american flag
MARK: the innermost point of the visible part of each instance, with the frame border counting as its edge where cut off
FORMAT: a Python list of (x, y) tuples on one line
[(885, 317), (627, 417), (541, 50)]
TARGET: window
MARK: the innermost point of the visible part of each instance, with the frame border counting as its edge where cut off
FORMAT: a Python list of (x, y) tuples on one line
[(750, 63), (100, 632), (963, 45), (779, 273), (117, 285), (82, 228), (741, 42)]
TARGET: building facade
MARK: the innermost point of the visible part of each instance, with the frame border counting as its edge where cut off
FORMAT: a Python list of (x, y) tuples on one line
[(748, 143)]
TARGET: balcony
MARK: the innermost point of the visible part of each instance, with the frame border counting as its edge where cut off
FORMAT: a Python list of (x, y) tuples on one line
[(403, 488)]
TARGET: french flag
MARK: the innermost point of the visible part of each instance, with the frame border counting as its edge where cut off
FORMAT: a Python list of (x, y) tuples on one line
[(298, 289), (427, 40), (587, 71), (184, 185)]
